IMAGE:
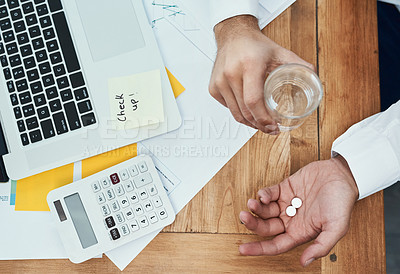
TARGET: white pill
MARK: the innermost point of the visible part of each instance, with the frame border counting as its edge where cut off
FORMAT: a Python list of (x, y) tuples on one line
[(296, 202), (290, 211)]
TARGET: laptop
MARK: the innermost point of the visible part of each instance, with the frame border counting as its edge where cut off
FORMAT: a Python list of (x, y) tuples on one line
[(57, 59)]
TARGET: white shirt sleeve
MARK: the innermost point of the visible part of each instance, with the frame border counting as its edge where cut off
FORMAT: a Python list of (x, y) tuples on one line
[(224, 9), (372, 151)]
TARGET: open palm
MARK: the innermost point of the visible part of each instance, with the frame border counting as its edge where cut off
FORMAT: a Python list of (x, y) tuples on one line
[(328, 192)]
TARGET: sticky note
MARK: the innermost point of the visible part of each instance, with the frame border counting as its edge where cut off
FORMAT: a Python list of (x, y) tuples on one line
[(108, 159), (177, 87), (136, 100), (32, 191)]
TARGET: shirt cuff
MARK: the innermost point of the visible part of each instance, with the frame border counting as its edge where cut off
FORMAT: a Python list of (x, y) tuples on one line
[(371, 159), (224, 9)]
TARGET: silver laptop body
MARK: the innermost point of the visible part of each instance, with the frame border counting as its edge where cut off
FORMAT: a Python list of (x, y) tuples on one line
[(112, 39)]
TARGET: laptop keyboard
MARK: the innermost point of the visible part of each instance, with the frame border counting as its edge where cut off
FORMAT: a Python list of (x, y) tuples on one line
[(42, 71)]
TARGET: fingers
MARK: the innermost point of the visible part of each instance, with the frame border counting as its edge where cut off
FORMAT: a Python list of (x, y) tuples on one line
[(322, 245), (222, 92), (264, 228), (217, 96), (238, 77), (269, 194), (227, 88), (236, 113), (262, 210), (280, 244), (220, 89), (237, 89), (253, 94)]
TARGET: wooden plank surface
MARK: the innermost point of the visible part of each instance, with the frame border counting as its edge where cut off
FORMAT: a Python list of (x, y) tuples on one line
[(349, 70), (304, 147), (207, 232), (263, 160), (178, 253)]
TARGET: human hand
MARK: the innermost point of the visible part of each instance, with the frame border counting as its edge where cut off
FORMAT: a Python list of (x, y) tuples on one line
[(328, 191), (245, 57)]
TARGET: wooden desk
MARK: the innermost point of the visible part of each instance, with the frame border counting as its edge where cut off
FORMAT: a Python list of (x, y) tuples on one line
[(340, 38)]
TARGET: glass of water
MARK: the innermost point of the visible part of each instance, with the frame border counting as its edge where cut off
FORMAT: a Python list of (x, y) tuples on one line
[(292, 92)]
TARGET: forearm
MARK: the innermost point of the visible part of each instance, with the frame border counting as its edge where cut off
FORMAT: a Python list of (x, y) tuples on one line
[(234, 27)]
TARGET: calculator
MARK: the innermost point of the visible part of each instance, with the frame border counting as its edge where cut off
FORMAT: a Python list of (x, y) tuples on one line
[(110, 208)]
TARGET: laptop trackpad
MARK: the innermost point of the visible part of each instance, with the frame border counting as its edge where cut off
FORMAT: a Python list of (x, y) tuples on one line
[(111, 27)]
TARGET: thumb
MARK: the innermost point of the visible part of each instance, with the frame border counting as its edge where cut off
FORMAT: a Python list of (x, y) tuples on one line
[(325, 241)]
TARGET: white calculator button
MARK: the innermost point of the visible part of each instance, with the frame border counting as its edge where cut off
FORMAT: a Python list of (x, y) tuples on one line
[(153, 218), (120, 190), (124, 230), (129, 214), (100, 198), (148, 206), (106, 210), (129, 186), (143, 221), (124, 175), (96, 186), (124, 202), (142, 166), (110, 194), (134, 198), (143, 194), (162, 213), (133, 171), (115, 206), (157, 202), (120, 217), (153, 190), (138, 210), (134, 226), (143, 180), (105, 182)]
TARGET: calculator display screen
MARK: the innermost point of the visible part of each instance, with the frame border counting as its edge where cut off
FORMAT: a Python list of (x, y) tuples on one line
[(80, 220)]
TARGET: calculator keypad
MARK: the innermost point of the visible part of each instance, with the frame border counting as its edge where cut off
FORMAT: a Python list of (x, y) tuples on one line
[(128, 200)]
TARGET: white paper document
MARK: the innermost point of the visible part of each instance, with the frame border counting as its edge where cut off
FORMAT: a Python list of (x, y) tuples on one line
[(26, 234)]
